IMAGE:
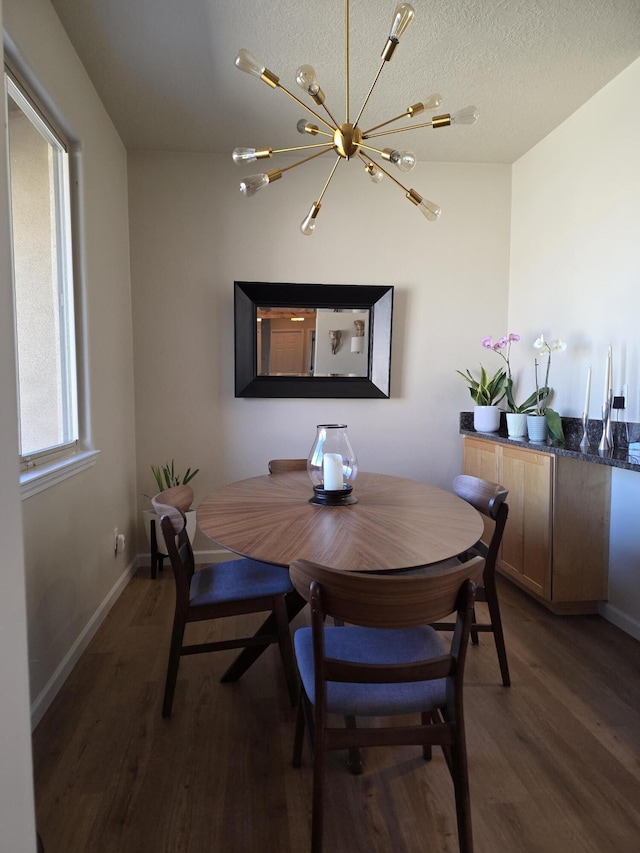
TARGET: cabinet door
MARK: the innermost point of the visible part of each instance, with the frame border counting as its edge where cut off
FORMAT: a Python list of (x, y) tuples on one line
[(526, 543), (480, 459)]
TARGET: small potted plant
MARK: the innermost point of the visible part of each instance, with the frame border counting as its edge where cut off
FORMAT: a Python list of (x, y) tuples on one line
[(167, 478), (486, 392)]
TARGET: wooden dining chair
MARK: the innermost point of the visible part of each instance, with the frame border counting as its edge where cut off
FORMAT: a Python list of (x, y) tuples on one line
[(489, 499), (222, 589), (282, 466), (385, 661)]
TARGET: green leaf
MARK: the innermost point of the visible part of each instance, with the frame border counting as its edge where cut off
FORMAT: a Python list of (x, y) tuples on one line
[(554, 424)]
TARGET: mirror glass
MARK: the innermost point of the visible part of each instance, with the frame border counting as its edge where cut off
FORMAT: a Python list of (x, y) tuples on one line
[(312, 340), (295, 341)]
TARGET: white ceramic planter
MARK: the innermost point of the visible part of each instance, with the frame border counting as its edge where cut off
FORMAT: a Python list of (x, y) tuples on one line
[(537, 427), (516, 424), (486, 418)]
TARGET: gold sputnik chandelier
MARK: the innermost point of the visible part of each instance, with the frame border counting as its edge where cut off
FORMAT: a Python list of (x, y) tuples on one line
[(347, 140)]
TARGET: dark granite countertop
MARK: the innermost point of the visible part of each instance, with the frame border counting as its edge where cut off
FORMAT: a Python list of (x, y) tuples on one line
[(619, 457)]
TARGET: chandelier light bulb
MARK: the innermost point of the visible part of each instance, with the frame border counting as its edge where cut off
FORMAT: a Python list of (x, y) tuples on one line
[(402, 17), (432, 102), (429, 209), (374, 172), (247, 62), (308, 224), (307, 79), (404, 160), (303, 126), (244, 155), (467, 115), (251, 185)]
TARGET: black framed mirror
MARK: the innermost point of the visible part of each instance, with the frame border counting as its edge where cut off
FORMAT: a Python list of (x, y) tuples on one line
[(312, 340)]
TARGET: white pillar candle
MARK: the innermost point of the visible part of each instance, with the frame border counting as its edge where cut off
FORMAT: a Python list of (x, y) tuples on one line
[(332, 471), (610, 370), (587, 393)]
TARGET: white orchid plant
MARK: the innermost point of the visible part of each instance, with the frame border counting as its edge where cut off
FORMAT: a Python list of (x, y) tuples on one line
[(542, 392)]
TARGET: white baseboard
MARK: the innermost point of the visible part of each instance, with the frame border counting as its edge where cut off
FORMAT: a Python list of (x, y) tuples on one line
[(50, 690), (620, 619), (53, 685)]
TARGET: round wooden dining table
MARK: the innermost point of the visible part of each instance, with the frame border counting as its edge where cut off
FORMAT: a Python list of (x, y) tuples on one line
[(396, 524)]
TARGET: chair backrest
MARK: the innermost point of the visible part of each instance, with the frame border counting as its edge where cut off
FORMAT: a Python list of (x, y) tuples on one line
[(489, 499), (281, 466), (385, 601), (173, 524), (390, 601)]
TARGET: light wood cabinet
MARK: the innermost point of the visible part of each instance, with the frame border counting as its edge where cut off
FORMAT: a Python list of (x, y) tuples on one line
[(556, 542)]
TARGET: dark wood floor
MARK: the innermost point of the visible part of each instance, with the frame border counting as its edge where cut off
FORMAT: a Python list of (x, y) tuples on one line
[(554, 760)]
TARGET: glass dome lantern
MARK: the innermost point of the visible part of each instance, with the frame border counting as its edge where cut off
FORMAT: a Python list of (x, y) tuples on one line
[(332, 466)]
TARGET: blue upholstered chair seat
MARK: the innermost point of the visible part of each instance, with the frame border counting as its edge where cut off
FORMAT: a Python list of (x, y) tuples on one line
[(235, 580), (375, 646)]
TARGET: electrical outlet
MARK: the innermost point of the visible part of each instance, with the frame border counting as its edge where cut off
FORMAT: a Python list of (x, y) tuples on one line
[(115, 541)]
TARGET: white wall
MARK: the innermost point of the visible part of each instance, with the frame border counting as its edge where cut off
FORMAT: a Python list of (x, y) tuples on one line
[(71, 572), (17, 821), (192, 235), (575, 257)]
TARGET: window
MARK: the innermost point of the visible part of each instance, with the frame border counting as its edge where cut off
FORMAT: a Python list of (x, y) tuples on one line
[(43, 281)]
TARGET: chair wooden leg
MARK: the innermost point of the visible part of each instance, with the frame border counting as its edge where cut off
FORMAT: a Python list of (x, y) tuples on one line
[(498, 635), (474, 633), (460, 777), (175, 648), (299, 737), (426, 718), (354, 761), (154, 548), (317, 816), (286, 647)]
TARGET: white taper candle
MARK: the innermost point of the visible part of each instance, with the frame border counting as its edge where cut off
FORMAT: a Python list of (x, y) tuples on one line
[(587, 394)]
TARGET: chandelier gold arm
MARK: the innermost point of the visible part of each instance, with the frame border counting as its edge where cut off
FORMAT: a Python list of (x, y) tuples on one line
[(436, 121), (302, 147), (369, 148), (405, 114), (366, 100), (306, 159), (328, 112), (410, 112), (346, 53), (331, 174), (306, 107)]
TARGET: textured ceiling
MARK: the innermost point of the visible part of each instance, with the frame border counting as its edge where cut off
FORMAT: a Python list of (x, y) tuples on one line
[(165, 68)]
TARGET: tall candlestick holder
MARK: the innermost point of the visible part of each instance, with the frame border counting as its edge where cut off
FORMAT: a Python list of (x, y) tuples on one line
[(606, 441), (585, 438)]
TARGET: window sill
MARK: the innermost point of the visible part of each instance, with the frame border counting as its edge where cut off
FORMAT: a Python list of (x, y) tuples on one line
[(44, 476)]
